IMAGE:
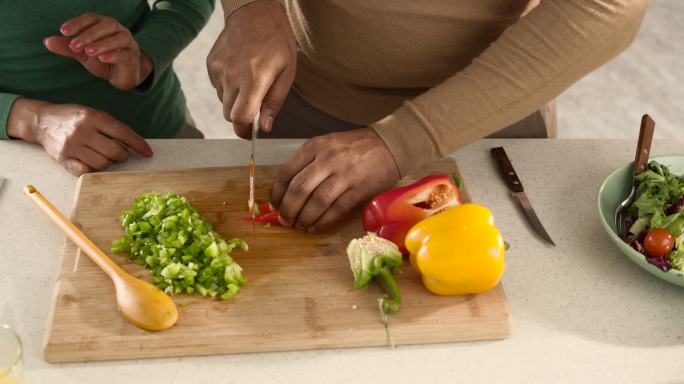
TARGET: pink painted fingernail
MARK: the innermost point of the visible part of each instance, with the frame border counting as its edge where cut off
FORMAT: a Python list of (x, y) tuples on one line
[(66, 29), (75, 44), (90, 50), (104, 57), (148, 152), (271, 207)]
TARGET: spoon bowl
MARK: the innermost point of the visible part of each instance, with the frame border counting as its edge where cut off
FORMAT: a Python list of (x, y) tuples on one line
[(144, 305)]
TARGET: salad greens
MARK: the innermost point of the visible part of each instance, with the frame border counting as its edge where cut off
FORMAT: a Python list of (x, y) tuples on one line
[(185, 255), (659, 201)]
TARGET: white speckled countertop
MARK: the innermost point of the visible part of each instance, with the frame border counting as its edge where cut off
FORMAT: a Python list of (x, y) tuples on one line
[(582, 311)]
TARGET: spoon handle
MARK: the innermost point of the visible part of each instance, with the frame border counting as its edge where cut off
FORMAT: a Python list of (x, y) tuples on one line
[(74, 234), (644, 144)]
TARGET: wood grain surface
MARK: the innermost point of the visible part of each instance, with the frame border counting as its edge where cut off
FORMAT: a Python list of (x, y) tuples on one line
[(299, 293)]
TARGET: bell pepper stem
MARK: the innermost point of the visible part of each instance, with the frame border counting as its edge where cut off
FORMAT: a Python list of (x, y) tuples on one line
[(392, 300), (389, 302)]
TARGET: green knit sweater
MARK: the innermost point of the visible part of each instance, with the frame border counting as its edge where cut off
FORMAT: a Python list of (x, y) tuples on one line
[(28, 69)]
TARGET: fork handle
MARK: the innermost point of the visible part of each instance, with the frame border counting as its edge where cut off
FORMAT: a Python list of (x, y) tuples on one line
[(644, 144)]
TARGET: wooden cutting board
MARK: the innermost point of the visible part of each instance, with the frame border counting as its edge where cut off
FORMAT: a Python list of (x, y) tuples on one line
[(299, 293)]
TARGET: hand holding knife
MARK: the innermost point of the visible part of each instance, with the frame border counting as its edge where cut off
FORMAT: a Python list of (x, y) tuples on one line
[(516, 187)]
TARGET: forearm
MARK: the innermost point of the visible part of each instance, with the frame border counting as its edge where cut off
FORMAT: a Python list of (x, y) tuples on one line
[(23, 120), (531, 63)]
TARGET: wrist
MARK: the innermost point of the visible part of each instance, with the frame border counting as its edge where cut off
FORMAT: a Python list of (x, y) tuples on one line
[(23, 121), (394, 169)]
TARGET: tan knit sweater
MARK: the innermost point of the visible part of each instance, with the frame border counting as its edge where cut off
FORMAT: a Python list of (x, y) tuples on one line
[(431, 76)]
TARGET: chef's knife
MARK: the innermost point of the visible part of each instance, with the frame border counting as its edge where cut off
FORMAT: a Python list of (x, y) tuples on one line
[(516, 187), (252, 161)]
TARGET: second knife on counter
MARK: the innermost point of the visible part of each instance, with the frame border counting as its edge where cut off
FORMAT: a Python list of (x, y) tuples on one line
[(516, 187)]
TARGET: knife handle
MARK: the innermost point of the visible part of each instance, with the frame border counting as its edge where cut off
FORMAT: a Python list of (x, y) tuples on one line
[(507, 171), (644, 144)]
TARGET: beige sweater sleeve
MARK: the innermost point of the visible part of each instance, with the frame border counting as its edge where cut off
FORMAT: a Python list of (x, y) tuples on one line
[(529, 64)]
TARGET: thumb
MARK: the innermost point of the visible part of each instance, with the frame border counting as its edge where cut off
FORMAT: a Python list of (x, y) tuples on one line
[(275, 97), (59, 45)]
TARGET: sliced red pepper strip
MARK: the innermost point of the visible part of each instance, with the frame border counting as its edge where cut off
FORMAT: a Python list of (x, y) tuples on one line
[(265, 216), (391, 214)]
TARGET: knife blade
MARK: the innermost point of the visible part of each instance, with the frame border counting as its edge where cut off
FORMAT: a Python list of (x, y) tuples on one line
[(516, 187), (252, 179)]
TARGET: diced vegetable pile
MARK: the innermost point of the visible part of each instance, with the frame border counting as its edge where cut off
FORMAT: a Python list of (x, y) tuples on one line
[(181, 249), (656, 218)]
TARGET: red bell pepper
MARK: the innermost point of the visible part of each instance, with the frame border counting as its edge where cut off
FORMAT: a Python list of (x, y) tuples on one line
[(391, 214), (265, 216)]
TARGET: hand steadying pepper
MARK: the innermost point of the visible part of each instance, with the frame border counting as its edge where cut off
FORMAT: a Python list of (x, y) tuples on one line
[(329, 175), (458, 251), (391, 214)]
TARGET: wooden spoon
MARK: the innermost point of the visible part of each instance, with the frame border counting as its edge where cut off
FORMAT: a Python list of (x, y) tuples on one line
[(141, 303)]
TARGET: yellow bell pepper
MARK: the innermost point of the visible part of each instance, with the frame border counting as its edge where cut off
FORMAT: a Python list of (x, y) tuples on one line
[(458, 251)]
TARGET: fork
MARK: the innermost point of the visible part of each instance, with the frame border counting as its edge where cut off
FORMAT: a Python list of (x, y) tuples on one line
[(640, 160)]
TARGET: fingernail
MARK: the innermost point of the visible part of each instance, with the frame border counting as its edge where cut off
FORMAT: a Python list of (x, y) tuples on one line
[(271, 207), (104, 57), (148, 152), (283, 222), (90, 50), (75, 44), (45, 41), (66, 29), (311, 229), (268, 125)]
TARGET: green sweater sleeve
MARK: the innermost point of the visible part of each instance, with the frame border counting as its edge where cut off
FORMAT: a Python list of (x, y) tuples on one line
[(168, 28), (6, 101)]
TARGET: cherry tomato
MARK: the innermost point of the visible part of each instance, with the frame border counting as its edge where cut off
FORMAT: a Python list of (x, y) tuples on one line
[(658, 242)]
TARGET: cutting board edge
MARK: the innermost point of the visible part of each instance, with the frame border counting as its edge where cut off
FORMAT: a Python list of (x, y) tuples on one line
[(443, 160), (54, 354), (70, 352), (68, 259), (48, 328)]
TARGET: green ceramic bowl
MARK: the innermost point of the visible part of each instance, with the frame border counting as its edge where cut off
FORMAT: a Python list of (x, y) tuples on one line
[(613, 191)]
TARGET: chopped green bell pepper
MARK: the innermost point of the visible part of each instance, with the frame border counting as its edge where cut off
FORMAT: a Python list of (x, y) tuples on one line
[(179, 247)]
